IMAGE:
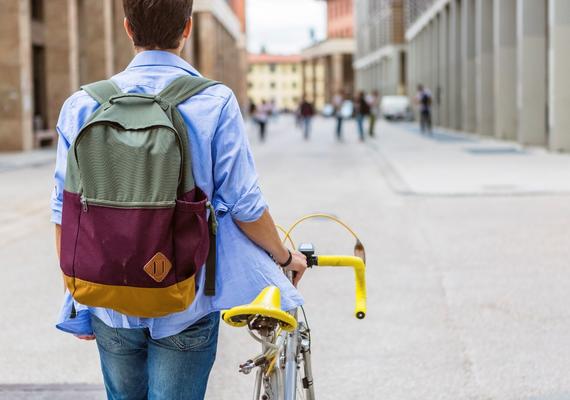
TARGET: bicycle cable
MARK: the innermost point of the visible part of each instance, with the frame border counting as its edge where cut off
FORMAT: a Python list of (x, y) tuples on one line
[(307, 323), (359, 250)]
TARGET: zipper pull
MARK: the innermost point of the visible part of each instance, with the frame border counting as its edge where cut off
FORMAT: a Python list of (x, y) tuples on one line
[(83, 201)]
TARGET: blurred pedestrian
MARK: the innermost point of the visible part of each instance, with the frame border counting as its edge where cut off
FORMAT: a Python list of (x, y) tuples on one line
[(273, 111), (373, 101), (362, 111), (251, 108), (337, 102), (424, 99), (306, 111), (261, 116)]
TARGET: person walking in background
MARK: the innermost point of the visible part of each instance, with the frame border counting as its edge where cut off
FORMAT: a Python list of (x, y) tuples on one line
[(337, 102), (273, 110), (306, 111), (424, 99), (261, 116), (251, 108), (373, 101), (362, 111)]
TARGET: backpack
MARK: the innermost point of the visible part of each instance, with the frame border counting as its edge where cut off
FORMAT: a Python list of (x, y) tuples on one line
[(134, 225), (425, 99)]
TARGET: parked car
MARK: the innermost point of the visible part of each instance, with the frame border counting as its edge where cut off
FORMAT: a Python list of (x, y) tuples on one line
[(397, 108)]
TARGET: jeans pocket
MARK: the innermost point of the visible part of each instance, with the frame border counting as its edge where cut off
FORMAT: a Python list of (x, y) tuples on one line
[(198, 336), (107, 338)]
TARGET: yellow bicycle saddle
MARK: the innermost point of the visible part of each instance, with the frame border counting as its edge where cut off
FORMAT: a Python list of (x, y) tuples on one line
[(267, 304)]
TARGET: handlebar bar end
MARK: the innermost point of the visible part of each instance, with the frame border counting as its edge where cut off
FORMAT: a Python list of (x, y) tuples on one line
[(360, 315)]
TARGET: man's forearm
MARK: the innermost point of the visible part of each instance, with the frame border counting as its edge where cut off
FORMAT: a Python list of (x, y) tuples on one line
[(264, 234), (58, 240)]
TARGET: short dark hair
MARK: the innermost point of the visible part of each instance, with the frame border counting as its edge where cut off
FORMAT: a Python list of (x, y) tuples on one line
[(157, 24)]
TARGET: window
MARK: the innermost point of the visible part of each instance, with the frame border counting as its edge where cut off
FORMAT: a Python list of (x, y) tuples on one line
[(294, 68), (294, 85), (250, 85), (272, 67), (272, 85), (37, 9)]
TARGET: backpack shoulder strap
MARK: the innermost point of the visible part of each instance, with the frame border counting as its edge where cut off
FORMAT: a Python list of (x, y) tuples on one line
[(184, 87), (102, 91), (180, 90)]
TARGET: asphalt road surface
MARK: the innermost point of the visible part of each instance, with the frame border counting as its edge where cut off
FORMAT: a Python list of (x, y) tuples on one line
[(468, 253)]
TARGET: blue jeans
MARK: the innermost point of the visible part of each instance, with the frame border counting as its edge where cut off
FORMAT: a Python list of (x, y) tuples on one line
[(137, 367), (306, 127), (360, 123)]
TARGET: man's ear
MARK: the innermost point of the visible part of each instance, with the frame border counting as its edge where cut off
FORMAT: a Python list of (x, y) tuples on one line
[(187, 29), (128, 29)]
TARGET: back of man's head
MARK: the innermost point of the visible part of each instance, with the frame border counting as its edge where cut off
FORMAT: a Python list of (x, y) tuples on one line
[(157, 24)]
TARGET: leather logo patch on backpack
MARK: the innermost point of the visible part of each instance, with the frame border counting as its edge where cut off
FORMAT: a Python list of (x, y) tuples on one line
[(158, 267)]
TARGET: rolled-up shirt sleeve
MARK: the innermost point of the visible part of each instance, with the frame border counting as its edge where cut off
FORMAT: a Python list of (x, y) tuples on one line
[(67, 126), (236, 188)]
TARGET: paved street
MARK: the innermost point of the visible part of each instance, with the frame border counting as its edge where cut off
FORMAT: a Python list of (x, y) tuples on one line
[(467, 247)]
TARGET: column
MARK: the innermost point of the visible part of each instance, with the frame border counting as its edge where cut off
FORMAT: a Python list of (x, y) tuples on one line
[(468, 65), (531, 68), (559, 80), (16, 71), (338, 73), (435, 87), (95, 40), (443, 68), (207, 53), (123, 47), (505, 58), (484, 67), (411, 65), (455, 57), (303, 78), (62, 54), (314, 81)]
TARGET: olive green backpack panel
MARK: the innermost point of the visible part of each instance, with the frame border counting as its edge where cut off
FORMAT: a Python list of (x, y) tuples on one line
[(127, 147)]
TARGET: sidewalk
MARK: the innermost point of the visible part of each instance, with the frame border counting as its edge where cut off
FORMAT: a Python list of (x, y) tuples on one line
[(457, 164), (30, 159)]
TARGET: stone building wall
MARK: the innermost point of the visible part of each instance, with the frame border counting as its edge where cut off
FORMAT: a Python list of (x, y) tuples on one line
[(48, 48)]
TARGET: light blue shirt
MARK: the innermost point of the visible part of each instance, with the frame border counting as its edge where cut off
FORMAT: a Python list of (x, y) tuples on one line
[(223, 168)]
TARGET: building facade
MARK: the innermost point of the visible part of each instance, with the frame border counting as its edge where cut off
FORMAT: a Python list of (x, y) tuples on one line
[(48, 48), (327, 65), (381, 58), (496, 67), (275, 78)]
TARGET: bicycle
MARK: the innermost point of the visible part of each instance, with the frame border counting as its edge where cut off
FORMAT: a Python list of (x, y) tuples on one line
[(284, 370)]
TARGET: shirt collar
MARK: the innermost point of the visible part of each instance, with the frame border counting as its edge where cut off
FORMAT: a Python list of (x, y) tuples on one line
[(163, 58)]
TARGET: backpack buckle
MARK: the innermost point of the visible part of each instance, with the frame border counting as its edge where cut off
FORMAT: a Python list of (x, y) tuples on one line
[(161, 102)]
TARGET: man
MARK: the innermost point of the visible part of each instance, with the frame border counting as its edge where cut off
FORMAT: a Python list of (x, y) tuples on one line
[(337, 102), (306, 111), (261, 116), (362, 110), (373, 101), (424, 100), (171, 357)]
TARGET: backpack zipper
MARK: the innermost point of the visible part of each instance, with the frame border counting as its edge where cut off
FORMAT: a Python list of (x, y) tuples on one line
[(83, 201), (121, 205)]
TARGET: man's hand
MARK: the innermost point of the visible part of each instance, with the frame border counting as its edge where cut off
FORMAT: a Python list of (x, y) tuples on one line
[(298, 266), (85, 337)]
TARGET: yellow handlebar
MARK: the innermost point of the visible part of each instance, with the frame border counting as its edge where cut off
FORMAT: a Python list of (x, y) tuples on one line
[(359, 273)]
